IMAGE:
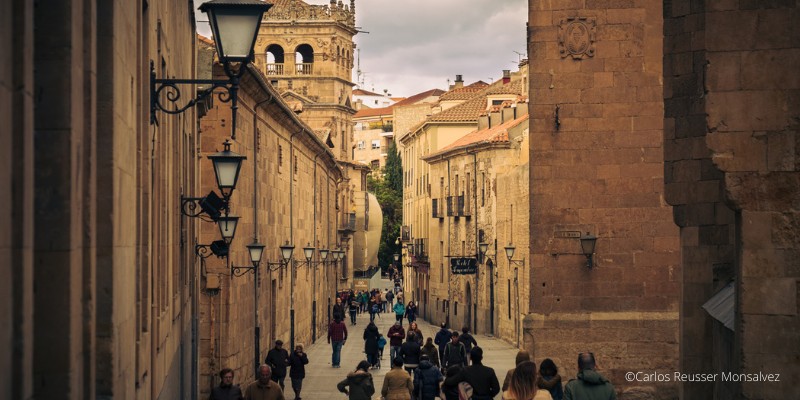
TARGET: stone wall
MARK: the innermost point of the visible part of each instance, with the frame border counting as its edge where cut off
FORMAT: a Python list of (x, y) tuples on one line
[(596, 165), (731, 121), (290, 192)]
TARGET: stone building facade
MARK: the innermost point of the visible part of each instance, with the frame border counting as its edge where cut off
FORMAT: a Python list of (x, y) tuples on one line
[(477, 197), (101, 294), (286, 192), (700, 175), (596, 134)]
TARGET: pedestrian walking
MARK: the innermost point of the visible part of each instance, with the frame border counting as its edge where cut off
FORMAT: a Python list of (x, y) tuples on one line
[(399, 310), (455, 354), (590, 384), (362, 298), (337, 335), (359, 383), (411, 312), (549, 379), (278, 360), (451, 392), (382, 299), (381, 344), (397, 384), (264, 388), (372, 307), (482, 378), (522, 356), (466, 339), (431, 351), (353, 310), (396, 335), (389, 300), (338, 309), (297, 372), (441, 339), (426, 380), (523, 384), (371, 337), (226, 389), (410, 352), (412, 327)]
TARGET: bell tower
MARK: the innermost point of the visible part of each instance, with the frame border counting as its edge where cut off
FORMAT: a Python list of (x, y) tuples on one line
[(307, 51)]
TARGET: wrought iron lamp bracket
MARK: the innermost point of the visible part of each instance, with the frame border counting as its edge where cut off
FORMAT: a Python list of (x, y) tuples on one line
[(173, 93), (242, 271), (204, 251)]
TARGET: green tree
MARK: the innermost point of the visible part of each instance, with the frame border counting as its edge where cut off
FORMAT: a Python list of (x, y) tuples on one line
[(388, 189)]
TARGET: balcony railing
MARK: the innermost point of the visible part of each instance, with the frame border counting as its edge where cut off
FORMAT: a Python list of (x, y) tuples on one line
[(274, 69), (419, 248), (450, 206), (405, 233), (384, 149), (304, 69), (348, 222), (460, 206), (436, 211)]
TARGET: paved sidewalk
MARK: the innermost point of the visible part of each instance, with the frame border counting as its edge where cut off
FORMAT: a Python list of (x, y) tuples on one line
[(321, 378)]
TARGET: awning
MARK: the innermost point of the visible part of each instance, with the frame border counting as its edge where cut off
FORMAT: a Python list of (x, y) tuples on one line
[(721, 305)]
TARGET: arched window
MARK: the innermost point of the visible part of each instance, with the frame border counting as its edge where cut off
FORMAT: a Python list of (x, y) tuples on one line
[(274, 60), (304, 59)]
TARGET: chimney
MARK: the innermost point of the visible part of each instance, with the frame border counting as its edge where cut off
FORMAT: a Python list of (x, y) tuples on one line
[(508, 111), (483, 120), (495, 117), (459, 82), (506, 76)]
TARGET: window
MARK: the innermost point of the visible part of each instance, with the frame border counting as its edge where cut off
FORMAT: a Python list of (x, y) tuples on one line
[(280, 156), (295, 165), (441, 253), (376, 144), (376, 102), (376, 163), (361, 145), (455, 308), (483, 190), (509, 299)]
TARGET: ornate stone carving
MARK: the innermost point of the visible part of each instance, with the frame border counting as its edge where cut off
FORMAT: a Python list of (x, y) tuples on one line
[(576, 36)]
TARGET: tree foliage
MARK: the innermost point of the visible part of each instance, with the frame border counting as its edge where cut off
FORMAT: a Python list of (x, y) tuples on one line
[(387, 186)]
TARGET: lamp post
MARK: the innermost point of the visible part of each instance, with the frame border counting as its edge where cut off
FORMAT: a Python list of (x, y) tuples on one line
[(234, 25), (587, 245), (227, 165), (323, 255), (255, 250)]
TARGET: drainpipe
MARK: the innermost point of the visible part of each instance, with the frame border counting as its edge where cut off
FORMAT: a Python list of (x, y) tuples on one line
[(291, 230), (314, 274), (256, 278), (477, 250), (449, 295)]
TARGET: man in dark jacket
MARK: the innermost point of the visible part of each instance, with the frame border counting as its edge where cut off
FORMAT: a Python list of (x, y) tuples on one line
[(454, 353), (590, 384), (389, 302), (482, 378), (226, 389), (410, 352), (338, 309), (297, 362), (278, 360), (426, 380), (466, 339), (442, 339), (359, 382)]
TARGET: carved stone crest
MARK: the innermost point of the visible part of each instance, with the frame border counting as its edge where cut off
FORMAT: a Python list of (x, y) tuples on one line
[(576, 36)]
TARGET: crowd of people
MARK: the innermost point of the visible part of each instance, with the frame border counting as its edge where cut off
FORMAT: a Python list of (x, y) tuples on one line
[(448, 366)]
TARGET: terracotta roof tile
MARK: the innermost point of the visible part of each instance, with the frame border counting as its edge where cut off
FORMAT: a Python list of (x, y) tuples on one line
[(469, 110), (373, 112), (464, 93), (286, 2), (495, 134), (418, 97), (205, 40), (362, 92)]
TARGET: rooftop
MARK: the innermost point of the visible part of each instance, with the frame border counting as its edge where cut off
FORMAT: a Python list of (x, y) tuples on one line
[(362, 92), (410, 101), (373, 112), (495, 134), (469, 110)]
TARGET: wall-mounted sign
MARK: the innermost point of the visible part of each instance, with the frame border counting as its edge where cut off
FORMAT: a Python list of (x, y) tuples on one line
[(567, 234), (463, 266), (361, 284)]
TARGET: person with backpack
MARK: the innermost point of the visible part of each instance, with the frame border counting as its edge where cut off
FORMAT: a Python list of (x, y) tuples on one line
[(426, 380), (371, 308), (359, 382), (481, 378), (466, 339), (454, 353), (431, 351), (441, 340)]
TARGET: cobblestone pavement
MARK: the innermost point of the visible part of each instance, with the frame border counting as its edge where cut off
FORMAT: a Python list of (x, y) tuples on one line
[(321, 378)]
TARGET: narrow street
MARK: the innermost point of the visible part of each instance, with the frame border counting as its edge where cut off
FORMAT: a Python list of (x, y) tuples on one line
[(321, 379)]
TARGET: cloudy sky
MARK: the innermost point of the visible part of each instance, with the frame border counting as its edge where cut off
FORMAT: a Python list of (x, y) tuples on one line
[(416, 45)]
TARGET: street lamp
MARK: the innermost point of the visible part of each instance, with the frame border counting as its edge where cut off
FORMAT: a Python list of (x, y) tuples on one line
[(323, 254), (510, 251), (286, 251), (396, 257), (227, 226), (234, 25), (587, 245), (227, 165), (309, 252), (256, 251)]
